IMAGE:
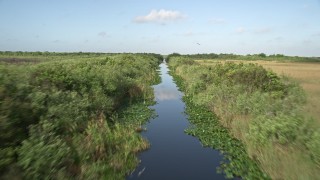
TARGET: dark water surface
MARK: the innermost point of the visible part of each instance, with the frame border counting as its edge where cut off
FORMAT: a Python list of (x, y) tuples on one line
[(173, 154)]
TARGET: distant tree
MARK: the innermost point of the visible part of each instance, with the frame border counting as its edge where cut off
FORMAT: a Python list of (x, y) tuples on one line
[(172, 55), (263, 55)]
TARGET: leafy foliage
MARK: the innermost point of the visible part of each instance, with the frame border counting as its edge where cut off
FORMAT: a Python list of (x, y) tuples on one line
[(65, 116), (256, 106), (281, 129), (208, 129), (251, 57), (44, 154), (313, 144)]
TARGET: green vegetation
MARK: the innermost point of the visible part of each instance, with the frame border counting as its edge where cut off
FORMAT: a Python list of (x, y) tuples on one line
[(211, 134), (248, 57), (73, 116), (257, 107)]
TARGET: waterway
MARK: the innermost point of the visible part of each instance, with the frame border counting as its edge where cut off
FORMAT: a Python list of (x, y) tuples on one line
[(173, 154)]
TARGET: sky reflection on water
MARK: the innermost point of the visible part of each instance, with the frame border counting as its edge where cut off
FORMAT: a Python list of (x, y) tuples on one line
[(173, 154)]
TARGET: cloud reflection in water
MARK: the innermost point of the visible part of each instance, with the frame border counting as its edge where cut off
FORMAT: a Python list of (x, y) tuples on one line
[(163, 94)]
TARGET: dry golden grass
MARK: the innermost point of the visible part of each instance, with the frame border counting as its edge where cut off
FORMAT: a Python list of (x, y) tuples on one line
[(282, 162), (306, 74), (279, 161)]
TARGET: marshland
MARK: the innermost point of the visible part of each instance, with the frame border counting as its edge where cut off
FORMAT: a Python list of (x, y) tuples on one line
[(137, 89), (139, 116)]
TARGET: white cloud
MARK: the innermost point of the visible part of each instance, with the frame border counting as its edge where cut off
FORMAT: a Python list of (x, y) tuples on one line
[(102, 34), (316, 34), (263, 31), (240, 30), (11, 39), (165, 94), (279, 38), (160, 16), (306, 6), (217, 21), (189, 33), (307, 41)]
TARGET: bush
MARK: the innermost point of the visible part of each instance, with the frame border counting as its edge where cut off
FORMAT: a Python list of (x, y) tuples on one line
[(313, 145), (7, 157), (258, 107), (44, 154), (15, 111), (63, 101), (282, 129)]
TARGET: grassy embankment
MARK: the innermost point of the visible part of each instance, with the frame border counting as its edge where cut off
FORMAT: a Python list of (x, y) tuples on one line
[(258, 107), (73, 116), (306, 74)]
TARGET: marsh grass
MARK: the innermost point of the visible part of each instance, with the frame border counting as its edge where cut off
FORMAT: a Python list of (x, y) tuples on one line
[(262, 109), (116, 147), (283, 162), (307, 74)]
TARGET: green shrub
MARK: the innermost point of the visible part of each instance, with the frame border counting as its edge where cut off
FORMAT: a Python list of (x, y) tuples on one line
[(7, 157), (313, 145), (44, 154), (14, 105), (257, 106), (282, 129), (60, 99)]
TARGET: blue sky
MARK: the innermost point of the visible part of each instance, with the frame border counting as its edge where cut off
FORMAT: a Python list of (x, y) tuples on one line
[(290, 27)]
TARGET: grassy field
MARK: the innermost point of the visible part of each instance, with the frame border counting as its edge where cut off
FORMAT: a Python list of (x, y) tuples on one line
[(268, 112), (306, 74)]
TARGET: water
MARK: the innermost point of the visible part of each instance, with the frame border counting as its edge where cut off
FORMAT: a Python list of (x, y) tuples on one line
[(173, 154)]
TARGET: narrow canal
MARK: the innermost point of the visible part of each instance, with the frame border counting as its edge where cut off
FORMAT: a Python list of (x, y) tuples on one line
[(173, 154)]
